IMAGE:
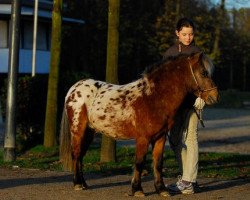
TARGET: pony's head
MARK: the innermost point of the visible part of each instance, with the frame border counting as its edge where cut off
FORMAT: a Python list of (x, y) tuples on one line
[(201, 69)]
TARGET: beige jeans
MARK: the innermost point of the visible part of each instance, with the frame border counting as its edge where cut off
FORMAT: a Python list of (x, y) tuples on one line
[(183, 140)]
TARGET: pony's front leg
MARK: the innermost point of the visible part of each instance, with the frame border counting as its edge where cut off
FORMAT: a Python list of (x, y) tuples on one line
[(141, 150), (157, 154)]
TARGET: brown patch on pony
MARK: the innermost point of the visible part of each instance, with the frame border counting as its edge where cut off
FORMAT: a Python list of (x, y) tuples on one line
[(98, 85), (79, 94), (139, 85), (102, 117), (79, 83), (109, 86), (71, 98), (70, 113), (127, 92), (149, 124)]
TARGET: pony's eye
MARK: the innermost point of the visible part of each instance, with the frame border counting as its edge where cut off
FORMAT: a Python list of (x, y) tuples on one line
[(204, 73)]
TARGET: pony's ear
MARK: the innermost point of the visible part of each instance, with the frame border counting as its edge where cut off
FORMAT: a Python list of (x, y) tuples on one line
[(198, 56)]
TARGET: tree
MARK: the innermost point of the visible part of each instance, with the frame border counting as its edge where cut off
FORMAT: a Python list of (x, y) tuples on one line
[(108, 149), (216, 49), (51, 109)]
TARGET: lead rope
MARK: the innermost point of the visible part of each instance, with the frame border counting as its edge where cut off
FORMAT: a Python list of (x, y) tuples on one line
[(199, 114)]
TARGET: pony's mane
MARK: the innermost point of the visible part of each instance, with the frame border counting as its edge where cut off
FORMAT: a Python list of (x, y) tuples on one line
[(160, 63), (207, 62)]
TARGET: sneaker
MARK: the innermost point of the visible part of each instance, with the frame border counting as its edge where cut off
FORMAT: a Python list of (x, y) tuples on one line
[(181, 187)]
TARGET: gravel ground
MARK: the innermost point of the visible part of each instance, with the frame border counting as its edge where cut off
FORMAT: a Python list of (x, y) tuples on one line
[(36, 184), (227, 130)]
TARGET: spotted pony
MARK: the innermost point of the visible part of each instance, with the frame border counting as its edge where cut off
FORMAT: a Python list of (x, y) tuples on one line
[(143, 110)]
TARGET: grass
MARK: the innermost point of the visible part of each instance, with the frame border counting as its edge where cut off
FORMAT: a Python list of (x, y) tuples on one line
[(217, 165)]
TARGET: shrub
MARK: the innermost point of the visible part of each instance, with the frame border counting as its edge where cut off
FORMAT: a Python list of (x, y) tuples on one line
[(31, 105), (30, 109)]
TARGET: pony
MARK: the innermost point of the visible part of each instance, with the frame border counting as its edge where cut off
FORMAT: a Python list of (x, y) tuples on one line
[(143, 110)]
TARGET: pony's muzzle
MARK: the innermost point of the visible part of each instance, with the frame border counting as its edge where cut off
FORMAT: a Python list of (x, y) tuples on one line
[(213, 100)]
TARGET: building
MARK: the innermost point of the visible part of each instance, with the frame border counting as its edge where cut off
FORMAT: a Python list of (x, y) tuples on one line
[(26, 35)]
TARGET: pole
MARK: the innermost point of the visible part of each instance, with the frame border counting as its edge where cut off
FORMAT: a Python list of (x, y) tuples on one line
[(10, 129), (34, 39)]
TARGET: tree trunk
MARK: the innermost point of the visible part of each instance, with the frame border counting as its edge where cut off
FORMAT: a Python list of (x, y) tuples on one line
[(177, 11), (216, 50), (108, 149), (51, 109)]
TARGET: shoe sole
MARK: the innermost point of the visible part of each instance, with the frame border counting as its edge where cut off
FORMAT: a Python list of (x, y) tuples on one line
[(187, 192)]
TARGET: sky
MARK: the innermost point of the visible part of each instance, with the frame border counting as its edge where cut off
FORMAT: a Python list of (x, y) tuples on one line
[(235, 3)]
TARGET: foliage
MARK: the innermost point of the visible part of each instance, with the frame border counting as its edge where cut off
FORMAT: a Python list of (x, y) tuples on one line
[(147, 29), (31, 98), (217, 165), (233, 67)]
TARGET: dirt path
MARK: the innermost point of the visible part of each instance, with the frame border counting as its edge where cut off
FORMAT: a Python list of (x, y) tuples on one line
[(227, 130), (35, 184)]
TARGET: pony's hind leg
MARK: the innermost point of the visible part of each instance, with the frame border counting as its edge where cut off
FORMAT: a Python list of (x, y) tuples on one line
[(79, 149), (141, 150), (80, 141), (157, 154)]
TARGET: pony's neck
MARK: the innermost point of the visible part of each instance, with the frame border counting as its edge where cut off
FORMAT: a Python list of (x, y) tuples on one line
[(170, 84)]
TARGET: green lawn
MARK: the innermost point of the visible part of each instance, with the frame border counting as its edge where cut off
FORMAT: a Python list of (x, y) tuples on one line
[(222, 165)]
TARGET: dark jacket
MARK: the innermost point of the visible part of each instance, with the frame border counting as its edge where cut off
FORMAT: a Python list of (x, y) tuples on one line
[(180, 49)]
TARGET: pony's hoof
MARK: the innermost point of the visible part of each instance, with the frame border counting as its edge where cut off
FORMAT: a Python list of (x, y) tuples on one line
[(80, 187), (164, 194), (139, 194)]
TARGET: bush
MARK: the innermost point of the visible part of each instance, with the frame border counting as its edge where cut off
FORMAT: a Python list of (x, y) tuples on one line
[(31, 106), (30, 110)]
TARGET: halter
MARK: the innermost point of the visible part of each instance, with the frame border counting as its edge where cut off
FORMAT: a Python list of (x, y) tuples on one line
[(199, 112), (195, 80)]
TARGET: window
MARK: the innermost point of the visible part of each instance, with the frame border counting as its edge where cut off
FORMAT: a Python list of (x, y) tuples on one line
[(3, 34), (42, 36), (41, 39), (27, 35)]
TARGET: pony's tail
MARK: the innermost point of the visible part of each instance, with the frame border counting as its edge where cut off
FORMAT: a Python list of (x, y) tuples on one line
[(65, 143)]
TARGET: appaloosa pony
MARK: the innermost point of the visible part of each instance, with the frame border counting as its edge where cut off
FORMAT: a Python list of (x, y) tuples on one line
[(143, 110)]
